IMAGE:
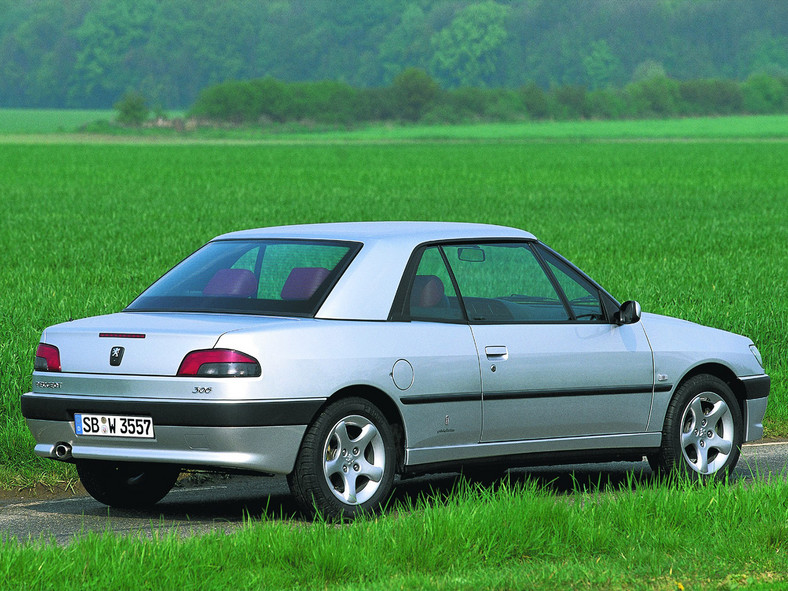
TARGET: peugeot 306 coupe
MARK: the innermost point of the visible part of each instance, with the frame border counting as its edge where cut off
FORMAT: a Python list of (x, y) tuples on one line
[(343, 355)]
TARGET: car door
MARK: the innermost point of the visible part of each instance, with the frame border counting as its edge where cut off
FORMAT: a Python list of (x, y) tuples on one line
[(439, 379), (552, 363)]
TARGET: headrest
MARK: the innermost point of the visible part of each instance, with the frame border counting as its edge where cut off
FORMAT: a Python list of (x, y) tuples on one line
[(428, 291), (236, 283), (303, 282)]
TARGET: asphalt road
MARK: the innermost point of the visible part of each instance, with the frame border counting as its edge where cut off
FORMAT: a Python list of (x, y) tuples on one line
[(224, 503)]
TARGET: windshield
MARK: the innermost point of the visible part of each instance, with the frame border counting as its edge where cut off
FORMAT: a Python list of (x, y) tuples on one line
[(275, 277)]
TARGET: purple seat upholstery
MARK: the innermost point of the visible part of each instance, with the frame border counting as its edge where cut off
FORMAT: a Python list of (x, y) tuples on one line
[(303, 282), (236, 283), (428, 291)]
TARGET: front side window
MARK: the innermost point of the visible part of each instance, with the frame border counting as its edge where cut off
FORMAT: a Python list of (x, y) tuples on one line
[(504, 283), (583, 297), (277, 277)]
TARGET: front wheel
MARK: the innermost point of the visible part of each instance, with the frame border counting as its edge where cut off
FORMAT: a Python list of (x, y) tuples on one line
[(703, 429), (127, 484), (347, 461)]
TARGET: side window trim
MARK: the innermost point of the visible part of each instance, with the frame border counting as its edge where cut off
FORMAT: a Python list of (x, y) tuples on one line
[(454, 284), (555, 283), (600, 293), (400, 311)]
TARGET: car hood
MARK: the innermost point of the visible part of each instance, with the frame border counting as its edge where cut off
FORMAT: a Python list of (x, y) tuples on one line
[(154, 344), (677, 342)]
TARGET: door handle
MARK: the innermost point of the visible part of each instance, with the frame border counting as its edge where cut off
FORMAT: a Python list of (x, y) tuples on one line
[(497, 353)]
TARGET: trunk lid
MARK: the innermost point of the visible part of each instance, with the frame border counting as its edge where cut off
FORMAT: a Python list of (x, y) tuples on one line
[(136, 343)]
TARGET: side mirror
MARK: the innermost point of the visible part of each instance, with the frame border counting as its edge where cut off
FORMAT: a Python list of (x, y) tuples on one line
[(628, 313)]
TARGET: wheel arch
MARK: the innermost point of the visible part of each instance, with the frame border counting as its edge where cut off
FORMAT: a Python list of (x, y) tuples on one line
[(722, 372), (386, 405)]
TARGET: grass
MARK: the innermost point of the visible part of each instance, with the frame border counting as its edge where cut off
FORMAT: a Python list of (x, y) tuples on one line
[(697, 230), (64, 122), (24, 121), (512, 536), (695, 128)]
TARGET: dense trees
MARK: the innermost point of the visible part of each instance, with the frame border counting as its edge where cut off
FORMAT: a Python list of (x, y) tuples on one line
[(415, 96), (132, 109), (88, 53)]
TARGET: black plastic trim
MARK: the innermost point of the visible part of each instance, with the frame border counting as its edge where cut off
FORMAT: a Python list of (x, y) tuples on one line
[(560, 393), (514, 395), (436, 398), (179, 413), (756, 386)]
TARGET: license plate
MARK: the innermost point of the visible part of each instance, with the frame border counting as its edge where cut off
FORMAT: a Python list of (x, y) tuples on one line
[(113, 426)]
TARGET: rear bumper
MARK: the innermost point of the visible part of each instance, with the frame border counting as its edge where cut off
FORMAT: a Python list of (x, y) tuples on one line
[(272, 450), (262, 436)]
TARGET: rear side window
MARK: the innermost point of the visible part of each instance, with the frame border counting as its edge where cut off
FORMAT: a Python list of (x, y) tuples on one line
[(276, 277), (432, 296)]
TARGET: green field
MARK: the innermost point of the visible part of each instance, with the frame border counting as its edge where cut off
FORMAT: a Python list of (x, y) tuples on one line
[(695, 229), (60, 125)]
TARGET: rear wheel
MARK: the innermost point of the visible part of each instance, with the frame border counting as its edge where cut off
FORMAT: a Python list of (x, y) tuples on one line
[(347, 461), (703, 429), (127, 484)]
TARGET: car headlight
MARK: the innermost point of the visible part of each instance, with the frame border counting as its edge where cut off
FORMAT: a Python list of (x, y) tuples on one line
[(757, 354)]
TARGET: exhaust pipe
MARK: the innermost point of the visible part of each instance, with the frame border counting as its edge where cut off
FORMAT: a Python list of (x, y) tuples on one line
[(63, 451)]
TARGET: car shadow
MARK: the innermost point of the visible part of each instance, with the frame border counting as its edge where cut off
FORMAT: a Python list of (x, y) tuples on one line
[(237, 499), (559, 480)]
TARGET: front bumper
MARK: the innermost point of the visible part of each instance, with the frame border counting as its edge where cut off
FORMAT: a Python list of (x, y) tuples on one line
[(262, 436), (756, 391)]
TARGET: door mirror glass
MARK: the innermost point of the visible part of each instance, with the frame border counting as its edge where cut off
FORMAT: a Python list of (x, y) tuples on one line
[(629, 313)]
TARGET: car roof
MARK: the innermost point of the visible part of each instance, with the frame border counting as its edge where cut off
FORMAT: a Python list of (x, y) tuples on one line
[(367, 288), (405, 231)]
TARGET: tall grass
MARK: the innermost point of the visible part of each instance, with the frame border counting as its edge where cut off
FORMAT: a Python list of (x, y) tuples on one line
[(648, 535), (697, 230)]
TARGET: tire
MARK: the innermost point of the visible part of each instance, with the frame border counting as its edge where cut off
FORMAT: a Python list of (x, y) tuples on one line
[(347, 461), (702, 435), (127, 485)]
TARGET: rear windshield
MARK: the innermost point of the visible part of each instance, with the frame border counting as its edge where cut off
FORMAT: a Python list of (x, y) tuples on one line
[(274, 277)]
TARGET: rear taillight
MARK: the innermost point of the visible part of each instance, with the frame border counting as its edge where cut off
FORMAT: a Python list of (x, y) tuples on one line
[(219, 363), (47, 358)]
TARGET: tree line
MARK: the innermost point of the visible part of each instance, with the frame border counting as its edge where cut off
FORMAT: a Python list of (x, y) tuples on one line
[(415, 96), (88, 53)]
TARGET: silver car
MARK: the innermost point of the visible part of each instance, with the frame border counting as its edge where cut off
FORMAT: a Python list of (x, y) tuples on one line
[(345, 354)]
